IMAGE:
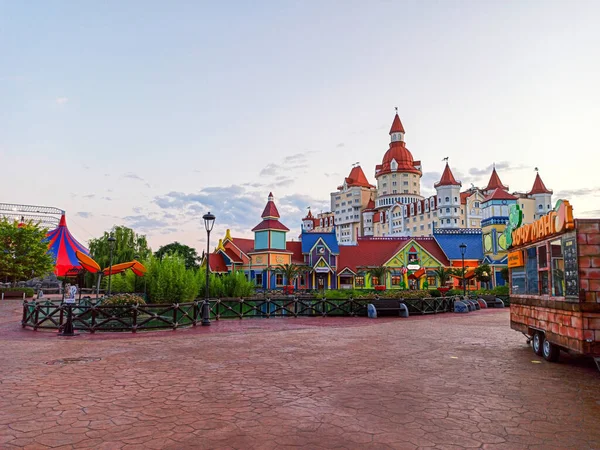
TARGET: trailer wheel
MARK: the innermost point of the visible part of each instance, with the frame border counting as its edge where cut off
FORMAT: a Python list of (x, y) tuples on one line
[(538, 343), (550, 351)]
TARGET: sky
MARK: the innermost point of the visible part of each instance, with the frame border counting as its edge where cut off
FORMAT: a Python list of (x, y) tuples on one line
[(149, 114)]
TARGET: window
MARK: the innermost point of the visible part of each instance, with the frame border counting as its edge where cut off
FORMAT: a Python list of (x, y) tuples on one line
[(476, 204), (396, 280), (447, 210), (394, 175), (279, 279), (540, 207), (455, 209), (375, 281), (455, 199), (518, 280), (302, 280), (531, 270), (320, 249), (258, 279), (394, 183), (447, 199), (405, 183), (558, 269), (359, 281)]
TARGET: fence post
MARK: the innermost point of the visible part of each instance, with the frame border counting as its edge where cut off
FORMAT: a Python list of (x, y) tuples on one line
[(36, 316), (195, 312), (93, 324), (241, 308), (175, 306), (23, 321)]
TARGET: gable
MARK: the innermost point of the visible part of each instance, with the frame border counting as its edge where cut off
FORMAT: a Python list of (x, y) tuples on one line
[(426, 259)]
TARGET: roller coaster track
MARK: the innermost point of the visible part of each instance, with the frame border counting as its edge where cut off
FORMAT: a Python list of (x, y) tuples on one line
[(46, 215)]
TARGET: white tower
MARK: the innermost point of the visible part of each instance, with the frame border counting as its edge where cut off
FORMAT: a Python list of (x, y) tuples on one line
[(448, 193)]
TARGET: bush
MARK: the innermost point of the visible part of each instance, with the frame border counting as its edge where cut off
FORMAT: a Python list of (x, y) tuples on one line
[(434, 293), (122, 300), (168, 280), (230, 285), (19, 291)]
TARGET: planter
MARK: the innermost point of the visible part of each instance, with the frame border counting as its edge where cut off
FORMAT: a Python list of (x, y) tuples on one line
[(380, 288), (15, 294), (288, 289), (443, 290)]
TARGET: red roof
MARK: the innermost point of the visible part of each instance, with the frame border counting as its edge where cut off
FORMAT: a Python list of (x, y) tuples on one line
[(495, 182), (233, 255), (270, 210), (217, 263), (500, 194), (447, 178), (245, 245), (374, 252), (397, 125), (370, 206), (296, 249), (270, 224), (376, 217), (309, 215), (357, 178), (464, 196), (403, 157), (539, 187)]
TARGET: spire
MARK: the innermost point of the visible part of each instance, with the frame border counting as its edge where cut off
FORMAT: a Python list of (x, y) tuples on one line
[(63, 221), (270, 211), (447, 178), (538, 186), (396, 124), (495, 182), (357, 178), (228, 235)]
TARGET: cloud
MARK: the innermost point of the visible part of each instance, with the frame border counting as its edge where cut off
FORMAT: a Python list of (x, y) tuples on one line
[(89, 196), (133, 176), (579, 192), (84, 214), (289, 164), (282, 181), (503, 166), (61, 100), (107, 198), (333, 175), (145, 223), (300, 202), (340, 145), (233, 205)]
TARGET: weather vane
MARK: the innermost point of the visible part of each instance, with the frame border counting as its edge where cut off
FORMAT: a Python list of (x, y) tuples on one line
[(536, 169), (446, 158), (396, 108)]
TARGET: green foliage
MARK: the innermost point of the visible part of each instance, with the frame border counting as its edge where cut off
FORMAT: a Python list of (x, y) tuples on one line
[(453, 292), (289, 271), (19, 291), (127, 245), (498, 290), (122, 300), (434, 293), (483, 273), (189, 254), (341, 294), (124, 282), (168, 281), (504, 273), (443, 275), (23, 251), (380, 273), (230, 285)]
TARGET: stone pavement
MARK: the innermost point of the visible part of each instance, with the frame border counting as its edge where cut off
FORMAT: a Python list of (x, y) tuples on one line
[(446, 382)]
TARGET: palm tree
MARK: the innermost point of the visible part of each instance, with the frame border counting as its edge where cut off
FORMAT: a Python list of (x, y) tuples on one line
[(443, 275), (380, 273), (289, 271)]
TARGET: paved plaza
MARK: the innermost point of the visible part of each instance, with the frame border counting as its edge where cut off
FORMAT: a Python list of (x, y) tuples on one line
[(446, 382)]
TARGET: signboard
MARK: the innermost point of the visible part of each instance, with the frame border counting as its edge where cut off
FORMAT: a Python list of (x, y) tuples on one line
[(515, 259), (413, 267), (571, 276), (555, 222), (70, 301), (321, 269)]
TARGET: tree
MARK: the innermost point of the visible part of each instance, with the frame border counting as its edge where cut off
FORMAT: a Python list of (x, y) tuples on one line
[(483, 273), (23, 251), (443, 275), (504, 273), (127, 245), (289, 271), (380, 273), (189, 254)]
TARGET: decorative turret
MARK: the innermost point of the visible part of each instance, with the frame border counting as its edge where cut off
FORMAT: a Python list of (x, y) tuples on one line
[(494, 183), (448, 193), (270, 233), (308, 222), (541, 195)]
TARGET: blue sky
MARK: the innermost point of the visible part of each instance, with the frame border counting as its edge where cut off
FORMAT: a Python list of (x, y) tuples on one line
[(150, 113)]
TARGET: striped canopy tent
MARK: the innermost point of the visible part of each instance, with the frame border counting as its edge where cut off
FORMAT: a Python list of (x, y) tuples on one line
[(62, 245)]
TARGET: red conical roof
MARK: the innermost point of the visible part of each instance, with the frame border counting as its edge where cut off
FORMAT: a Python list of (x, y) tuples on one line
[(270, 210), (495, 182), (397, 125), (357, 178), (539, 187), (500, 194), (447, 178)]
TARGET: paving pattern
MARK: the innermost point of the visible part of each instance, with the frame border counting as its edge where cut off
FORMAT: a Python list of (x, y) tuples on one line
[(438, 382)]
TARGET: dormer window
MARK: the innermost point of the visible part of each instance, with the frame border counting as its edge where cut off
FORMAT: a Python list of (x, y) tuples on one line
[(447, 199), (394, 165)]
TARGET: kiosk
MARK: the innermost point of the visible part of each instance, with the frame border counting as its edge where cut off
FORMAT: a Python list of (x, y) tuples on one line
[(554, 270)]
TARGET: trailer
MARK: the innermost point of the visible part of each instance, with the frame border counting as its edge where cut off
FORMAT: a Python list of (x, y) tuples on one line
[(554, 279)]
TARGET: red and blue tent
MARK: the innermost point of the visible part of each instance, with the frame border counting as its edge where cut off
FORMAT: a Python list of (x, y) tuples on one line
[(62, 245)]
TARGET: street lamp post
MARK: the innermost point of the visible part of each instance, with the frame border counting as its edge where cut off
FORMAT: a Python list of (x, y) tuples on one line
[(209, 221), (136, 257), (463, 249), (111, 244)]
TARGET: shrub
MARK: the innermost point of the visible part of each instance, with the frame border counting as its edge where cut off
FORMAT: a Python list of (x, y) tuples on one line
[(122, 300), (168, 280), (230, 285), (19, 291), (434, 293)]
